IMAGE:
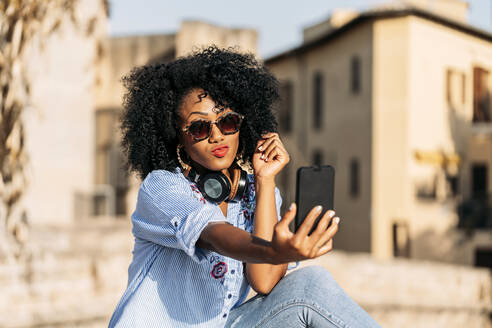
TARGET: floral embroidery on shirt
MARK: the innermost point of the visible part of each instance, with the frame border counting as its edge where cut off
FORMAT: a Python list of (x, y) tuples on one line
[(197, 193), (248, 201), (219, 270), (214, 258)]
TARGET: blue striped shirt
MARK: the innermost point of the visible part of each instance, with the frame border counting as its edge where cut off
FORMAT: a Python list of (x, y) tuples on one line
[(171, 282)]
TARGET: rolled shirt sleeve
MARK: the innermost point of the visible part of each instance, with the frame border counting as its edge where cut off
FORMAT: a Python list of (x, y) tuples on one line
[(170, 213)]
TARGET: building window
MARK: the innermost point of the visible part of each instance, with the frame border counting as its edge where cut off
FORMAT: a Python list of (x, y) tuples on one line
[(354, 178), (455, 87), (317, 157), (463, 88), (479, 180), (474, 212), (401, 240), (449, 85), (453, 185), (285, 106), (483, 257), (355, 75), (481, 96), (318, 100), (110, 178)]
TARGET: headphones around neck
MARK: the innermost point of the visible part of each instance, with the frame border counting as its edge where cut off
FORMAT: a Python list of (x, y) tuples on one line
[(216, 187)]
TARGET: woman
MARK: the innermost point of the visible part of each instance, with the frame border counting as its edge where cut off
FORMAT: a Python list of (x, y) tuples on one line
[(205, 231)]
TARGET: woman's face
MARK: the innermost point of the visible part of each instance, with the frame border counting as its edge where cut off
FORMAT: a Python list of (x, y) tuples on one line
[(218, 151)]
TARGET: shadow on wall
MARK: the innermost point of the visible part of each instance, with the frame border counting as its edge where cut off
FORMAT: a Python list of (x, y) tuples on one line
[(449, 246), (473, 201)]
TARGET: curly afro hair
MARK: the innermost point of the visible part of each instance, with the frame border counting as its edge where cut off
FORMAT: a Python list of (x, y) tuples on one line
[(154, 93)]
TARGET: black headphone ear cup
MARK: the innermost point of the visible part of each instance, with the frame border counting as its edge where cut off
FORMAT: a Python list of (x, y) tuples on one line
[(241, 187), (214, 186)]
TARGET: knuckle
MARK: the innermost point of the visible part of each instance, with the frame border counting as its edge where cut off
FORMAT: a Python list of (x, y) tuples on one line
[(305, 253), (294, 243)]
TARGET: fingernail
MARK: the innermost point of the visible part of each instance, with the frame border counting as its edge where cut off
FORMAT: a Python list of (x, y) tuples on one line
[(291, 206), (260, 148), (337, 220), (331, 213), (262, 156), (319, 208)]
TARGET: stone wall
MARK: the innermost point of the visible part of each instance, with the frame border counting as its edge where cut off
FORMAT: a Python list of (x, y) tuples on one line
[(73, 279), (77, 274)]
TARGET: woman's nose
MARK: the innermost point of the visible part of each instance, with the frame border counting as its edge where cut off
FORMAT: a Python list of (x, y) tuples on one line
[(215, 134)]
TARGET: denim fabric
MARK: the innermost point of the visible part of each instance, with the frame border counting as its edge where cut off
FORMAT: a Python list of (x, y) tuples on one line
[(307, 297)]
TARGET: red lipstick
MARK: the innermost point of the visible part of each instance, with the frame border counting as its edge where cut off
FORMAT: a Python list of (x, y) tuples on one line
[(220, 151)]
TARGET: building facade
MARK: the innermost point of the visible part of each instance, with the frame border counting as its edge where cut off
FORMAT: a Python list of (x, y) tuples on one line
[(397, 99), (59, 122)]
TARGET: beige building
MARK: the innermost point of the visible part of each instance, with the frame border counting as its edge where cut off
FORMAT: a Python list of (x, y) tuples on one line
[(397, 99), (59, 121)]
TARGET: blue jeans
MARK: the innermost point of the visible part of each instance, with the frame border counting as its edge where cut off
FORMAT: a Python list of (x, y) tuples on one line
[(307, 297)]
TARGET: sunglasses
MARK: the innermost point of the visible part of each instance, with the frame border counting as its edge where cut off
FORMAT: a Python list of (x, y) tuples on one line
[(228, 123)]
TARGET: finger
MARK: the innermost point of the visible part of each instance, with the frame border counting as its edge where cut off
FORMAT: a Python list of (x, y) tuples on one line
[(324, 237), (265, 144), (329, 233), (323, 224), (274, 154), (309, 221), (259, 145), (289, 215), (272, 147), (269, 135), (325, 248), (262, 140)]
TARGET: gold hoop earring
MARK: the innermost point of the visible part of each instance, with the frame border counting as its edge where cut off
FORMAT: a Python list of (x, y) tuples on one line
[(184, 166)]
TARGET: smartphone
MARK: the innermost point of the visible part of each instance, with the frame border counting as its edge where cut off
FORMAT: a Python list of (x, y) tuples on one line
[(315, 185)]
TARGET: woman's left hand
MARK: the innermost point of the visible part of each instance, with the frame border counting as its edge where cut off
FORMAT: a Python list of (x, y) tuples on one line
[(270, 156)]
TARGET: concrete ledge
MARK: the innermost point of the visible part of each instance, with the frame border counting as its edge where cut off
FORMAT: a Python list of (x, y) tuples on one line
[(77, 283)]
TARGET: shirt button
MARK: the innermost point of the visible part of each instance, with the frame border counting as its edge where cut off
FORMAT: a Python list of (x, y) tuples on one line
[(229, 296), (225, 315), (232, 271)]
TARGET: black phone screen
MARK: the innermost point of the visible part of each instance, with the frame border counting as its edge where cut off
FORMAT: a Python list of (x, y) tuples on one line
[(314, 186)]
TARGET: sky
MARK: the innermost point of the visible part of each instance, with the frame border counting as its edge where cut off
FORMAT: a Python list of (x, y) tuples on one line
[(279, 23)]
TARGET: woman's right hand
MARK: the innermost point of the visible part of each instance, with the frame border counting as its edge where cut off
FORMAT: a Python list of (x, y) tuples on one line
[(290, 247)]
